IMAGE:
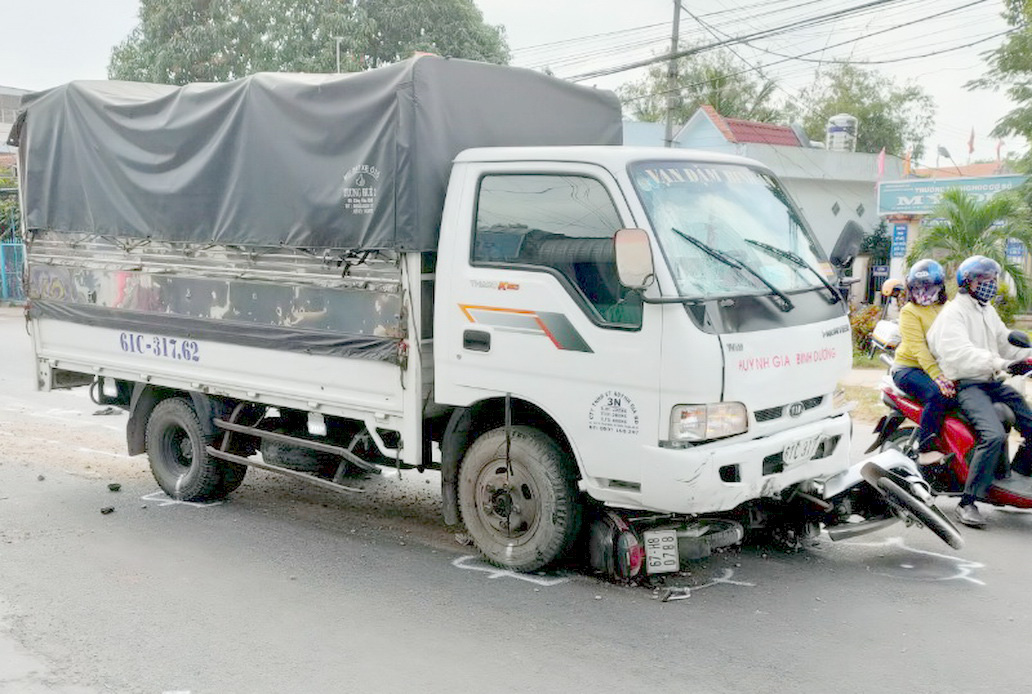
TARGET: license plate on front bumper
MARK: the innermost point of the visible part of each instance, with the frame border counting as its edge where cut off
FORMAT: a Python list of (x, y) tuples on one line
[(661, 551), (800, 451)]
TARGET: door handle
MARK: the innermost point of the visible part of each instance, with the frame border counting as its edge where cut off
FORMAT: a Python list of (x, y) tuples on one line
[(476, 340)]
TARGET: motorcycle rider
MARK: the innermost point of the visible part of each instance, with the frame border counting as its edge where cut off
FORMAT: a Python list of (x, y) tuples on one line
[(970, 343), (914, 370)]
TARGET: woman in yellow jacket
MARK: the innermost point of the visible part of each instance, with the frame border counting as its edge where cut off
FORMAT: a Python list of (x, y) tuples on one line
[(915, 370)]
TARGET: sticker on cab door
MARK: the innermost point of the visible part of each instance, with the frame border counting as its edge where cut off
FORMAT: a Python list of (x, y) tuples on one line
[(613, 412), (555, 326)]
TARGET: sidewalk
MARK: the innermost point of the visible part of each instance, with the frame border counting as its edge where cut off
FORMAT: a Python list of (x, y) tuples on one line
[(863, 377)]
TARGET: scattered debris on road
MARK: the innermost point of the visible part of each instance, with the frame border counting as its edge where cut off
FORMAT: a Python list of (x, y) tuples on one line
[(107, 509), (114, 487), (41, 478), (677, 593), (106, 411)]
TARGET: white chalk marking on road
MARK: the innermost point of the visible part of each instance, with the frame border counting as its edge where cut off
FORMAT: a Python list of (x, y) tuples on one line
[(94, 450), (471, 563), (163, 499), (726, 578), (964, 567)]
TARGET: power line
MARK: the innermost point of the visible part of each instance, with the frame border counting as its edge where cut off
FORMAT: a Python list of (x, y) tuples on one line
[(867, 36), (820, 19), (786, 59)]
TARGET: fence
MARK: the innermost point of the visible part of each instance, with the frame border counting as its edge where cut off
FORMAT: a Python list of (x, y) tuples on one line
[(12, 261)]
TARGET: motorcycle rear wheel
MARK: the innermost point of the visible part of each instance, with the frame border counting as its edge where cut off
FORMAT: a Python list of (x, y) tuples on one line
[(926, 515), (899, 440)]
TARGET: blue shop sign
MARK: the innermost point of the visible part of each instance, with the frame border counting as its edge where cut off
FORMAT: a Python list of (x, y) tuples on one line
[(899, 241), (1015, 250), (880, 270), (921, 195)]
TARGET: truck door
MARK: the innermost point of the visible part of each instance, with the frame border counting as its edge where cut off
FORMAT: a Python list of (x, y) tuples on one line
[(529, 305)]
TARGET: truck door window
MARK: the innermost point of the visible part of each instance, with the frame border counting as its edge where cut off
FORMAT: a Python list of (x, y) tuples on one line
[(563, 224)]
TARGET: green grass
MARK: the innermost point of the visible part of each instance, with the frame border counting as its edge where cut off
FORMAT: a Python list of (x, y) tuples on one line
[(862, 361)]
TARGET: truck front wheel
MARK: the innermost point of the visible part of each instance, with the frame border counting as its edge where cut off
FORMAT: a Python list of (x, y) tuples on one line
[(175, 446), (523, 510)]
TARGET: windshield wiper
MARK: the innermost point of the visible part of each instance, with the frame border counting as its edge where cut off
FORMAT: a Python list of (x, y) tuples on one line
[(792, 257), (783, 302)]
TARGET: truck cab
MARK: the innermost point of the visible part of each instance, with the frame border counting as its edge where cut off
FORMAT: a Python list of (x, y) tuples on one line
[(709, 386)]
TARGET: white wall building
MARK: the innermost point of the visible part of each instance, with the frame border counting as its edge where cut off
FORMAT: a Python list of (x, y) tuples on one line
[(831, 187)]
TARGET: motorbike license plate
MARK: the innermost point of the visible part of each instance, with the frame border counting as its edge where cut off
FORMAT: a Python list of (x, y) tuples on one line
[(661, 552), (799, 451)]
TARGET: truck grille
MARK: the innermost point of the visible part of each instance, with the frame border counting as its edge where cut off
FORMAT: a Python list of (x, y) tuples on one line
[(769, 413)]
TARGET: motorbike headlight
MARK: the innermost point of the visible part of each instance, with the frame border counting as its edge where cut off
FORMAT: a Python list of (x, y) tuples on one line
[(697, 423)]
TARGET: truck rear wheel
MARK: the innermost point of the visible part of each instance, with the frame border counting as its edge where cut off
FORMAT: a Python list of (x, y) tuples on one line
[(524, 513), (175, 446)]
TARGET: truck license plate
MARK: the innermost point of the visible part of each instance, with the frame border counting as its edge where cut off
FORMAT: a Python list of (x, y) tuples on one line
[(800, 450), (661, 551)]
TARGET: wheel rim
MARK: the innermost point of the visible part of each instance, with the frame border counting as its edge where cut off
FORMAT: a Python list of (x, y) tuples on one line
[(178, 449), (508, 500)]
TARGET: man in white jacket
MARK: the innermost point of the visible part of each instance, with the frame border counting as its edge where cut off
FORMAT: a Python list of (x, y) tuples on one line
[(969, 341)]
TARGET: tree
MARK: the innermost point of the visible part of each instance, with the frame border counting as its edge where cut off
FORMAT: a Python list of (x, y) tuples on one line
[(708, 78), (970, 227), (453, 28), (1010, 68), (895, 117), (181, 41), (9, 211)]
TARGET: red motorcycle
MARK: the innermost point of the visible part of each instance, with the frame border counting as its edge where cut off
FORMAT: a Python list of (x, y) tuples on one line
[(1013, 485)]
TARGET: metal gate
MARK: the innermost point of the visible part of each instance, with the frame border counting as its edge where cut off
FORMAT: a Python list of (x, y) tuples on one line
[(12, 262)]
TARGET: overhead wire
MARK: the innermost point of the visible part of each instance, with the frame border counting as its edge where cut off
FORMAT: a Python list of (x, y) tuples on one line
[(820, 19)]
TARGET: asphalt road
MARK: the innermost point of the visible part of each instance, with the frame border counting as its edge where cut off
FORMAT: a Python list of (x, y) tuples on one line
[(289, 589)]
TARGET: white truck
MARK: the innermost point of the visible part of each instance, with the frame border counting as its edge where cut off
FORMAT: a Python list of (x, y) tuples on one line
[(442, 265)]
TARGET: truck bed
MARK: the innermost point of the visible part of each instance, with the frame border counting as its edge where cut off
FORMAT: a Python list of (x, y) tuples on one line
[(321, 333)]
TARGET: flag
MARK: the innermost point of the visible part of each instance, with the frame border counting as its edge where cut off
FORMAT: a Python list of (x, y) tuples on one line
[(881, 163), (971, 142), (906, 163)]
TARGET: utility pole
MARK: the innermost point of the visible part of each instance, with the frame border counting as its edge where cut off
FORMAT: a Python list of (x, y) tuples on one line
[(672, 94), (338, 39)]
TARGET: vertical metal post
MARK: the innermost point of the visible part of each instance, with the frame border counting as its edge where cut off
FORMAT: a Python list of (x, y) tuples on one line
[(672, 95), (338, 39), (3, 271)]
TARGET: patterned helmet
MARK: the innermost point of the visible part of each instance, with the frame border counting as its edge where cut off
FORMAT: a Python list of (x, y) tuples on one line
[(925, 282), (978, 277)]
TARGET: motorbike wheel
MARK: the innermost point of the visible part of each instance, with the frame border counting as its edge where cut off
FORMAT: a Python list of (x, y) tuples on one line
[(900, 440), (926, 515)]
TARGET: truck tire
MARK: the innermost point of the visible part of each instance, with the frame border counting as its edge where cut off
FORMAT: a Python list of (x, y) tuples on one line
[(524, 515), (175, 446)]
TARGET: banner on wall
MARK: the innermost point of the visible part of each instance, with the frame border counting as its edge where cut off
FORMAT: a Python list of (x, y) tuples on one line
[(899, 241), (920, 196)]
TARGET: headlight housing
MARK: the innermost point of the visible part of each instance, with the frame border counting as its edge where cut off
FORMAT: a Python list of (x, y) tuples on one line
[(697, 423)]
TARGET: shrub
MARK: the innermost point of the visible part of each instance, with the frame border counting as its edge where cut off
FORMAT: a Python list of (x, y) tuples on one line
[(1006, 305), (862, 320)]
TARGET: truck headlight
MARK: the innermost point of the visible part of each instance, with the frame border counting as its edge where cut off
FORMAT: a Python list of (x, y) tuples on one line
[(695, 423)]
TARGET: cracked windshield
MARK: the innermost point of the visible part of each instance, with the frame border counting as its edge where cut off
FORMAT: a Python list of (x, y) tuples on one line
[(712, 219)]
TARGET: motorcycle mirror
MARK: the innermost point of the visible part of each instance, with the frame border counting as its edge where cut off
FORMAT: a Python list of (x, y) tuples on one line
[(1019, 338), (848, 245)]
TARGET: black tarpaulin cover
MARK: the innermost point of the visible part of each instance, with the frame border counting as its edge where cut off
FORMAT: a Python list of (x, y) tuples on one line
[(316, 161)]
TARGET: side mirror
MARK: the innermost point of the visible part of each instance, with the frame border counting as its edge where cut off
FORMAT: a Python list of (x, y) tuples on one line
[(1019, 338), (634, 258), (848, 245)]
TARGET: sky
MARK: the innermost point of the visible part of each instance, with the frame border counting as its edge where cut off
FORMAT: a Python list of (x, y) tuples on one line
[(50, 42)]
